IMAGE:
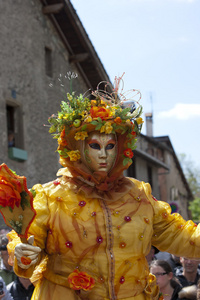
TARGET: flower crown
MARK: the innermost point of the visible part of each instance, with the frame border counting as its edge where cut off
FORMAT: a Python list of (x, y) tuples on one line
[(106, 112)]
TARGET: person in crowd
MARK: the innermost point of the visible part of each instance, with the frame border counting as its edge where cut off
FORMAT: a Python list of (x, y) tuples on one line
[(172, 259), (93, 226), (174, 262), (152, 254), (21, 288), (169, 286), (4, 294), (6, 270), (189, 276), (189, 273)]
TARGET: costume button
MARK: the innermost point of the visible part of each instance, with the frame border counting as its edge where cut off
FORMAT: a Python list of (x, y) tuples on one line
[(82, 203), (127, 219), (122, 280), (101, 279), (56, 182), (93, 214), (141, 236), (116, 213), (122, 245), (68, 244), (180, 226), (99, 240), (137, 281), (164, 215), (59, 198), (147, 220)]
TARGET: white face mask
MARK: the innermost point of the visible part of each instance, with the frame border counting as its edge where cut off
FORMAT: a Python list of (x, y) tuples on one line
[(100, 151)]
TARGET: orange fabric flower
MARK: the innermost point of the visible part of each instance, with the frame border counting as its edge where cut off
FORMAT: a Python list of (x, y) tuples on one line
[(10, 192), (161, 297), (81, 281), (100, 112), (133, 133), (118, 120), (93, 102), (61, 140), (26, 260), (128, 153)]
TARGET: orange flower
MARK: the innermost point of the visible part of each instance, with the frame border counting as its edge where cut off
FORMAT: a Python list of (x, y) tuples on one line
[(93, 102), (62, 142), (62, 135), (118, 120), (128, 153), (10, 192), (100, 112), (61, 139), (133, 133), (161, 297), (81, 281), (26, 260)]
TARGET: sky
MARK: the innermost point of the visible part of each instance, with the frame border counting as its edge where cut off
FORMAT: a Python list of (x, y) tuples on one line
[(157, 44)]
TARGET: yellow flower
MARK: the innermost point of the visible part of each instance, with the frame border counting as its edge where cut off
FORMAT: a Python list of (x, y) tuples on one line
[(74, 155), (88, 119), (139, 120), (107, 128), (70, 97), (93, 102), (83, 114), (65, 117), (103, 103), (128, 122), (81, 135)]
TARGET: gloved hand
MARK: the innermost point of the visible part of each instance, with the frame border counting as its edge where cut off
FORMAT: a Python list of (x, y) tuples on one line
[(27, 254)]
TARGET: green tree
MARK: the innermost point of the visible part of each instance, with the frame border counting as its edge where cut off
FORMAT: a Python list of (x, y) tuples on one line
[(195, 209), (192, 174)]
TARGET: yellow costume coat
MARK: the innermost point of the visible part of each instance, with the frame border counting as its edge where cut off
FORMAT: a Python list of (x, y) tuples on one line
[(107, 239)]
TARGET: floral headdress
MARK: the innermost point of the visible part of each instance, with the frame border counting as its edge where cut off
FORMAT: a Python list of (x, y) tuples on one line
[(107, 112)]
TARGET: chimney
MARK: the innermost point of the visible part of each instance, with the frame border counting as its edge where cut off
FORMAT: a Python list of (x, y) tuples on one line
[(149, 124)]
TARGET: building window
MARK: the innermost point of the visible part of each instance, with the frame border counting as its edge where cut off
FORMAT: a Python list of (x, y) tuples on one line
[(10, 125), (149, 175), (174, 193), (15, 132), (48, 62)]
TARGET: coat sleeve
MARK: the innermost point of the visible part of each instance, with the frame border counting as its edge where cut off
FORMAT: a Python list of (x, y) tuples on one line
[(171, 233)]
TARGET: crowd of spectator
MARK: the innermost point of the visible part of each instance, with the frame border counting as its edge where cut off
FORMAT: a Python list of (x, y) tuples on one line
[(177, 277)]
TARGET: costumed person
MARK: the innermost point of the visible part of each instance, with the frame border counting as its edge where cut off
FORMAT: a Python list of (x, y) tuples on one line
[(93, 226)]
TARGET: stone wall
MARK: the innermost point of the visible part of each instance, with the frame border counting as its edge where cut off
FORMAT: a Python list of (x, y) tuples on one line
[(25, 32)]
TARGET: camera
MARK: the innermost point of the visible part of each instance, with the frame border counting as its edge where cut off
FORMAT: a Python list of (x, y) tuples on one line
[(1, 288)]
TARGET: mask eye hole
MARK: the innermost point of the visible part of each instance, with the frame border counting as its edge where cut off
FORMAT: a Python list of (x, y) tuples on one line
[(110, 146), (94, 146)]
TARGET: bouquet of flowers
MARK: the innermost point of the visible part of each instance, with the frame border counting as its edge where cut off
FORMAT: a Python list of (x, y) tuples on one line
[(16, 201)]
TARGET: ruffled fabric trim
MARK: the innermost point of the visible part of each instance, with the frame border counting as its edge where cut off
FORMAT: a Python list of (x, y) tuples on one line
[(109, 191)]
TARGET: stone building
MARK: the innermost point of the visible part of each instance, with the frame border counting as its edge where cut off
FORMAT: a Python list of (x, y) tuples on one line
[(38, 43)]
